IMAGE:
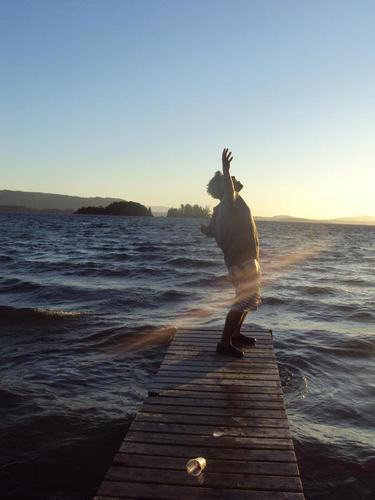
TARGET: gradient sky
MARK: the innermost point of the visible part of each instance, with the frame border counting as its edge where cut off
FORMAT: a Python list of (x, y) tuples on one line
[(136, 99)]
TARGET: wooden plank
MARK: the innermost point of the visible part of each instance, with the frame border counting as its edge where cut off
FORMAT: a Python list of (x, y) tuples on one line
[(256, 410), (191, 343), (197, 440), (228, 389), (260, 339), (188, 341), (136, 458), (222, 395), (198, 352), (213, 331), (209, 376), (211, 356), (228, 411), (274, 401), (215, 420), (192, 365), (191, 371), (224, 381), (217, 334), (197, 349), (196, 366), (195, 372), (211, 346), (216, 359), (212, 406), (260, 342), (170, 492), (188, 451), (216, 431), (262, 374), (220, 399), (209, 479)]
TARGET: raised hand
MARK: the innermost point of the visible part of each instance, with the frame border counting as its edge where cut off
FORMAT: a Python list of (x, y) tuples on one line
[(226, 158)]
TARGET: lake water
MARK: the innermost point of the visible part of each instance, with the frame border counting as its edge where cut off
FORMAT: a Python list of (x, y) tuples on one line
[(78, 295)]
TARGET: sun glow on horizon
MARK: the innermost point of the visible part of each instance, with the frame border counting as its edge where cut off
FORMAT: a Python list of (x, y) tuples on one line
[(136, 104)]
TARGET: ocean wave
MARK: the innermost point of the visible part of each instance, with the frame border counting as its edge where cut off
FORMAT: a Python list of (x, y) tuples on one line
[(30, 314), (97, 272), (273, 301), (9, 397), (134, 272), (130, 339), (209, 281), (363, 345), (127, 300), (148, 248), (5, 258), (325, 308), (362, 316), (355, 281), (293, 381), (121, 256), (322, 348), (316, 290), (188, 262), (175, 295), (18, 285)]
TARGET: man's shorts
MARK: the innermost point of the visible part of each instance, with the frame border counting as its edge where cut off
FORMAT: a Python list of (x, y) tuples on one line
[(246, 280)]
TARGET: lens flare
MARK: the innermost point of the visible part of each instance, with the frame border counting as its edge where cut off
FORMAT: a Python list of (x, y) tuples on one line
[(272, 270)]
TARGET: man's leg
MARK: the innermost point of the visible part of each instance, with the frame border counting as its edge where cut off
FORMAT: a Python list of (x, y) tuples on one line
[(237, 330), (230, 327), (240, 340), (225, 345)]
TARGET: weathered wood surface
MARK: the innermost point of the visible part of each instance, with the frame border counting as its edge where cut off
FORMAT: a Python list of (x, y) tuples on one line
[(227, 410)]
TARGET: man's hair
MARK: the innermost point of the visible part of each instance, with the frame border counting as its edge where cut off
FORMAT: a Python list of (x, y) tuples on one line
[(216, 184)]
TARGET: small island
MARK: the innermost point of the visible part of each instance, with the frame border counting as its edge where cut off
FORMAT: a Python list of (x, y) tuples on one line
[(189, 211), (128, 208)]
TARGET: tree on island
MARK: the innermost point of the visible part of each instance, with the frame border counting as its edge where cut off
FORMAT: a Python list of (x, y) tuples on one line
[(131, 208), (189, 211)]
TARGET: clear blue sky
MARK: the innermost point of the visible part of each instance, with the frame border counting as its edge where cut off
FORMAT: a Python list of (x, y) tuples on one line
[(136, 99)]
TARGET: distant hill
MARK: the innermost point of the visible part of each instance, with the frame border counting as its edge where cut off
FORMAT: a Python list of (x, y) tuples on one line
[(284, 218), (21, 209), (365, 220), (128, 208), (49, 201)]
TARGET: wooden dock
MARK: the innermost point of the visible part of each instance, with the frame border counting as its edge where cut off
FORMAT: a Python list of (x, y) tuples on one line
[(227, 410)]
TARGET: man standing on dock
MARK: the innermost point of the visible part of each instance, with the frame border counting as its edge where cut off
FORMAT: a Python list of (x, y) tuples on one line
[(233, 227)]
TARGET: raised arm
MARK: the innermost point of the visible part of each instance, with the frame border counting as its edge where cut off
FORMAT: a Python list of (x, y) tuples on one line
[(229, 192)]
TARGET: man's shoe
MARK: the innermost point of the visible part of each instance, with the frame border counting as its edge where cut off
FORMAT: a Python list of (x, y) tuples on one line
[(229, 350)]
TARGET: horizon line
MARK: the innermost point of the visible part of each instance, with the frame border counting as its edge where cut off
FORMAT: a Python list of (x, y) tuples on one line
[(275, 216)]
